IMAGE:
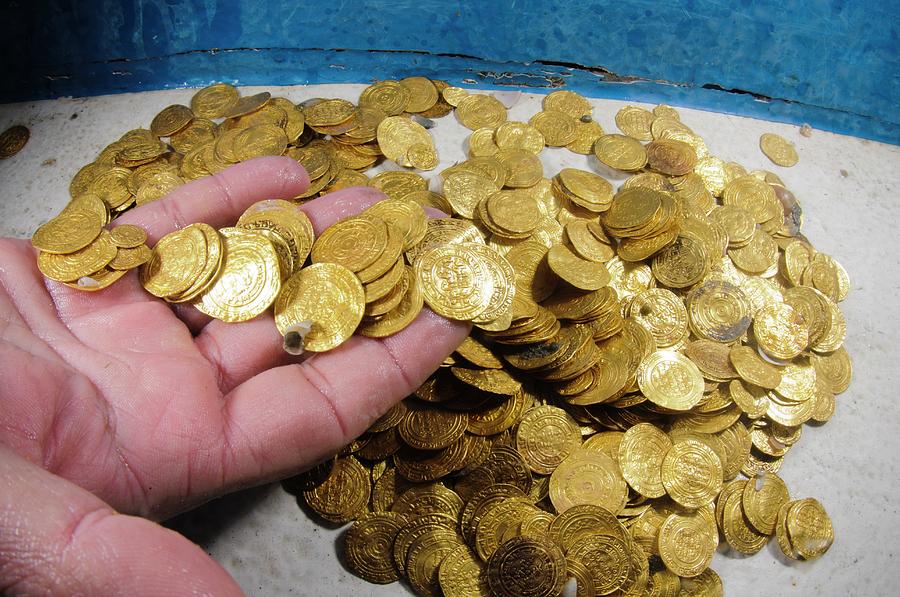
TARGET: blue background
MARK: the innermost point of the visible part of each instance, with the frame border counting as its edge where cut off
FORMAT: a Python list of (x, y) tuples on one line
[(832, 63)]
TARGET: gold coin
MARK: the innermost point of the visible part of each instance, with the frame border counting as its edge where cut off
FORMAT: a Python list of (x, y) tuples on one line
[(12, 140), (344, 493), (778, 149), (692, 473), (557, 128), (671, 380), (396, 135), (171, 120), (422, 93), (761, 504), (369, 546), (249, 279), (660, 311), (214, 100), (389, 97), (780, 331), (70, 231), (568, 102), (128, 236), (809, 528), (753, 369), (454, 282), (606, 557), (686, 544), (681, 264), (478, 111), (355, 243), (640, 454), (578, 272), (327, 295), (72, 266), (461, 574), (635, 122), (545, 437), (329, 112), (526, 566), (130, 258), (588, 477), (517, 135)]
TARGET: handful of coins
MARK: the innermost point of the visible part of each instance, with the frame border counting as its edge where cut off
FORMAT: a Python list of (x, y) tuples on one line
[(634, 349)]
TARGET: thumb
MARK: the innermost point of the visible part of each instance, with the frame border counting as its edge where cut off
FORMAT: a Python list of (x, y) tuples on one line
[(56, 538)]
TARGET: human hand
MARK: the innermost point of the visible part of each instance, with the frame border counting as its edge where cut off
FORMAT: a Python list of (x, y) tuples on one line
[(115, 401)]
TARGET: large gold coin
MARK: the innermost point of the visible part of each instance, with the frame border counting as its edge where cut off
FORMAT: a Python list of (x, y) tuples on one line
[(327, 295), (249, 280)]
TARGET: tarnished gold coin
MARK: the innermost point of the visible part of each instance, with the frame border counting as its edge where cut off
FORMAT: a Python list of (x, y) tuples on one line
[(671, 157), (671, 380), (526, 566), (327, 295), (718, 310), (249, 279), (12, 140), (778, 149)]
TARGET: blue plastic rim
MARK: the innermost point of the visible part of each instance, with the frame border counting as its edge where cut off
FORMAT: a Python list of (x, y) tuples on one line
[(834, 64)]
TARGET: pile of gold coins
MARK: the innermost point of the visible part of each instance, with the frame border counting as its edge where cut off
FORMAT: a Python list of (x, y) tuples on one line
[(634, 349)]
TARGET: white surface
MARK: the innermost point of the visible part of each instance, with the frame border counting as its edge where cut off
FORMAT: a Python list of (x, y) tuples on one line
[(847, 188)]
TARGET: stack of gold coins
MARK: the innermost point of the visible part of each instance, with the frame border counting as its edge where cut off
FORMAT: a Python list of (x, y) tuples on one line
[(634, 349)]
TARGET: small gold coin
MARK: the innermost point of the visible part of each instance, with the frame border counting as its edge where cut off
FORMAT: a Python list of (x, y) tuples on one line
[(128, 236), (327, 295), (778, 149), (126, 259), (12, 140)]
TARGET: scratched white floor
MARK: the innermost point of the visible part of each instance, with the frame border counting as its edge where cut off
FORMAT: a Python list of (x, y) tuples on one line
[(848, 188)]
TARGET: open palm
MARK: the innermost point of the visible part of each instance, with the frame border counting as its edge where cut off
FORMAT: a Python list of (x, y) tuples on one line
[(116, 402)]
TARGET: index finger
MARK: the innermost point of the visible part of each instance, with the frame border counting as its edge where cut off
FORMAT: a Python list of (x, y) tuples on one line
[(219, 199)]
